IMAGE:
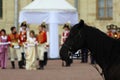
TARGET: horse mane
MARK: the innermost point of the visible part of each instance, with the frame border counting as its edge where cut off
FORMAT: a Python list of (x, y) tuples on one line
[(93, 29), (101, 33), (104, 48)]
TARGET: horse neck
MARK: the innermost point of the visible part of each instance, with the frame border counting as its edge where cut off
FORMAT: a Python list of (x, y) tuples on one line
[(97, 43)]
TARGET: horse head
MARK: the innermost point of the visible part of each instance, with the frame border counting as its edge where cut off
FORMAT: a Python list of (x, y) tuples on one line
[(74, 42)]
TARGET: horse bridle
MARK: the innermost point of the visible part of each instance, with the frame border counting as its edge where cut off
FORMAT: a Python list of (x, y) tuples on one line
[(70, 47)]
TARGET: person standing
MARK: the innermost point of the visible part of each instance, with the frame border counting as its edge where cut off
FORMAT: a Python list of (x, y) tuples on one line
[(118, 33), (84, 55), (3, 49), (24, 23), (64, 36), (15, 48), (42, 39), (109, 31), (46, 45), (30, 52), (114, 31), (65, 33), (22, 40)]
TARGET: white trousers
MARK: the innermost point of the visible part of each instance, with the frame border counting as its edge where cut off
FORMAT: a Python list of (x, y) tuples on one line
[(41, 50), (14, 52), (22, 49)]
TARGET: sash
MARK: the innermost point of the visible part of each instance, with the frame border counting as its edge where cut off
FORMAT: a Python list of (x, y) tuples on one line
[(16, 45), (4, 43)]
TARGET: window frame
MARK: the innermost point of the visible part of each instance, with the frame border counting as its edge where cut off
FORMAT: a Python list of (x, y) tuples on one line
[(105, 17)]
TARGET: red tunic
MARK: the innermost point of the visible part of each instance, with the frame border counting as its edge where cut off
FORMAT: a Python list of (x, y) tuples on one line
[(42, 37), (110, 34), (65, 35), (22, 37), (13, 38)]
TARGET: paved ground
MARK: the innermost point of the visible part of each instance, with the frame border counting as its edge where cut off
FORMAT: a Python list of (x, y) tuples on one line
[(53, 71)]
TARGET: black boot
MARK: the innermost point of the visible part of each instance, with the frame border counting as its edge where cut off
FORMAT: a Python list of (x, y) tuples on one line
[(13, 64), (45, 58), (20, 65), (41, 65), (23, 59), (67, 61), (68, 64)]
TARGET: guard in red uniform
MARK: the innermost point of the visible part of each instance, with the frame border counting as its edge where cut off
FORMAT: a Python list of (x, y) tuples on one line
[(42, 39), (109, 32), (22, 40), (65, 34), (15, 48)]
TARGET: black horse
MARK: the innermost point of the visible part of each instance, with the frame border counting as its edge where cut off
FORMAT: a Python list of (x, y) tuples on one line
[(105, 50)]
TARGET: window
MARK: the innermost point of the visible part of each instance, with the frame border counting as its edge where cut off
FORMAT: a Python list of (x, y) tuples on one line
[(1, 10), (104, 9)]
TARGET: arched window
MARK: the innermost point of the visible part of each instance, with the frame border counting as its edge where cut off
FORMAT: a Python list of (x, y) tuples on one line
[(1, 8), (104, 9)]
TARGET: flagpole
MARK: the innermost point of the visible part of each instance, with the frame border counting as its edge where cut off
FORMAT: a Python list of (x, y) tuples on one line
[(76, 4), (16, 14)]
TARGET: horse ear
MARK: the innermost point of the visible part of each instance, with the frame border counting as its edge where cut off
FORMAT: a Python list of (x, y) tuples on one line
[(81, 22)]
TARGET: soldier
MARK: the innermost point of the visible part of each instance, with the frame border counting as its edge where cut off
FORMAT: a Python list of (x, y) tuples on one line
[(109, 32), (114, 31), (22, 40), (46, 46), (42, 39), (15, 48), (22, 24), (65, 34), (118, 30)]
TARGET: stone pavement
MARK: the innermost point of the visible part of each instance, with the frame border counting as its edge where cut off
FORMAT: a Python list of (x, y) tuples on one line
[(53, 71)]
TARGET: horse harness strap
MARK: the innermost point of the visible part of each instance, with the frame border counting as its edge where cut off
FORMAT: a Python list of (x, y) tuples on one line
[(101, 73)]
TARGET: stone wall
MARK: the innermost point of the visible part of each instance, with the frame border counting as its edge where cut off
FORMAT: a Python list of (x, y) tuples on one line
[(86, 9)]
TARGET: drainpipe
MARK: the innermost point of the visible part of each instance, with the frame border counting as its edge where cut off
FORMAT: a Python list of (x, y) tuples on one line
[(76, 4), (16, 14)]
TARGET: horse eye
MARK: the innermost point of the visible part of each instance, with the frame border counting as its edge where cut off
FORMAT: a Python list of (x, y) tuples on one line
[(70, 48)]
